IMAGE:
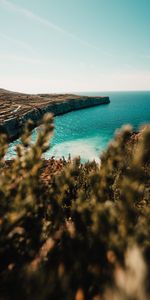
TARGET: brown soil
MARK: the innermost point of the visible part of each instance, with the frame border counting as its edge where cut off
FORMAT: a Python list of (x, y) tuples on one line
[(13, 104)]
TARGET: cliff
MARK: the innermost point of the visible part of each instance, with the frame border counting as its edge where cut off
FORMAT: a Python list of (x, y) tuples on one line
[(17, 108)]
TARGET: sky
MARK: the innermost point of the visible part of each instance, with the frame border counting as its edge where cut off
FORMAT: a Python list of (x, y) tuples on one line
[(74, 45)]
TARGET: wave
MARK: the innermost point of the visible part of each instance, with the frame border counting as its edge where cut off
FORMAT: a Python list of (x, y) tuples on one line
[(84, 148)]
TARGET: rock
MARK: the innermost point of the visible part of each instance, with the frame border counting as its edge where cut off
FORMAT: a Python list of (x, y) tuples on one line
[(17, 108)]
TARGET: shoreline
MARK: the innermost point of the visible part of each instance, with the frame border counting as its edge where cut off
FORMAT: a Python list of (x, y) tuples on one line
[(17, 108)]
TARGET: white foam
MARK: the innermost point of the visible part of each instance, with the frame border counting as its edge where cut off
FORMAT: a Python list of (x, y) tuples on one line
[(88, 149), (83, 148)]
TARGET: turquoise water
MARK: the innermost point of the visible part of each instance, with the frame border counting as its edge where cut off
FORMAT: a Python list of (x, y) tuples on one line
[(87, 132)]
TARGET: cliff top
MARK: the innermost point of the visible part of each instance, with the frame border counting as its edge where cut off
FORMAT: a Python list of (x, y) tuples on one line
[(14, 104)]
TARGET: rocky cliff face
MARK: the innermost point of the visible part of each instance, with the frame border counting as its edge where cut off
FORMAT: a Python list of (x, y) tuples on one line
[(16, 109)]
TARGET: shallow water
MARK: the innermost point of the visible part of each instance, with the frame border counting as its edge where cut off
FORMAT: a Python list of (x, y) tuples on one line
[(87, 132)]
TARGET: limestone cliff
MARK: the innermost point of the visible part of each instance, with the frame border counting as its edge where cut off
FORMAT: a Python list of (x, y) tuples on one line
[(16, 108)]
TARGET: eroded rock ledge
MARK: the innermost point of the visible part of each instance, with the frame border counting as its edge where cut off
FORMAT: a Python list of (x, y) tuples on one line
[(17, 108)]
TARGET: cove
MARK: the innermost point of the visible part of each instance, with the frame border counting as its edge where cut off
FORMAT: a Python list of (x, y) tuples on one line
[(87, 132)]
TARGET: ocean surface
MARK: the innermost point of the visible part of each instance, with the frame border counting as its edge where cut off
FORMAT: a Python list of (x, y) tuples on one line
[(87, 132)]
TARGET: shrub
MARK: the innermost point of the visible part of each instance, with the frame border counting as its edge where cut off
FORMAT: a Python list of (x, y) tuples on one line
[(83, 233)]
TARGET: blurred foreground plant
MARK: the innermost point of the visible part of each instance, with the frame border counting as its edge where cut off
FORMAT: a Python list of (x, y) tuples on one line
[(82, 234)]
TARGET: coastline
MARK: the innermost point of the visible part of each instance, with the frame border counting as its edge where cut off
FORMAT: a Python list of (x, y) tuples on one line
[(18, 108)]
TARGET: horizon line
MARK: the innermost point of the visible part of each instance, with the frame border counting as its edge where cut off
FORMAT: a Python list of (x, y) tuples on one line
[(72, 92)]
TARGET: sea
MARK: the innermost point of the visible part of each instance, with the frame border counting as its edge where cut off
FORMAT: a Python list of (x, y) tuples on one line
[(87, 132)]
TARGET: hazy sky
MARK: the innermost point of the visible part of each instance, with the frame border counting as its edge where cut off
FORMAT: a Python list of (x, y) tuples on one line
[(74, 45)]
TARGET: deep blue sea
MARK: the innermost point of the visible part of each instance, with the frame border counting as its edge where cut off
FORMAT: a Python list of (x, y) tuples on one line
[(87, 132)]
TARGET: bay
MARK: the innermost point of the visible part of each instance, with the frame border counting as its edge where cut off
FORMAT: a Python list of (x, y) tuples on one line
[(87, 132)]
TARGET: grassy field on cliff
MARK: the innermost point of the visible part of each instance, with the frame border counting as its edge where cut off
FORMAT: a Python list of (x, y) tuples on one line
[(75, 231)]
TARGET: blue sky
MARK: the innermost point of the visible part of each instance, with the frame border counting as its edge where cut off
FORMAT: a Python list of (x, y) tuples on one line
[(74, 45)]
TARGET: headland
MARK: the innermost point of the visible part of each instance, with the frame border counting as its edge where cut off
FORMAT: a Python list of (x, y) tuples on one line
[(17, 108)]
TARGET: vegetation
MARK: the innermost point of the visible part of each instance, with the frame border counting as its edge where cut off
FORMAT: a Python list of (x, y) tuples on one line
[(80, 231)]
